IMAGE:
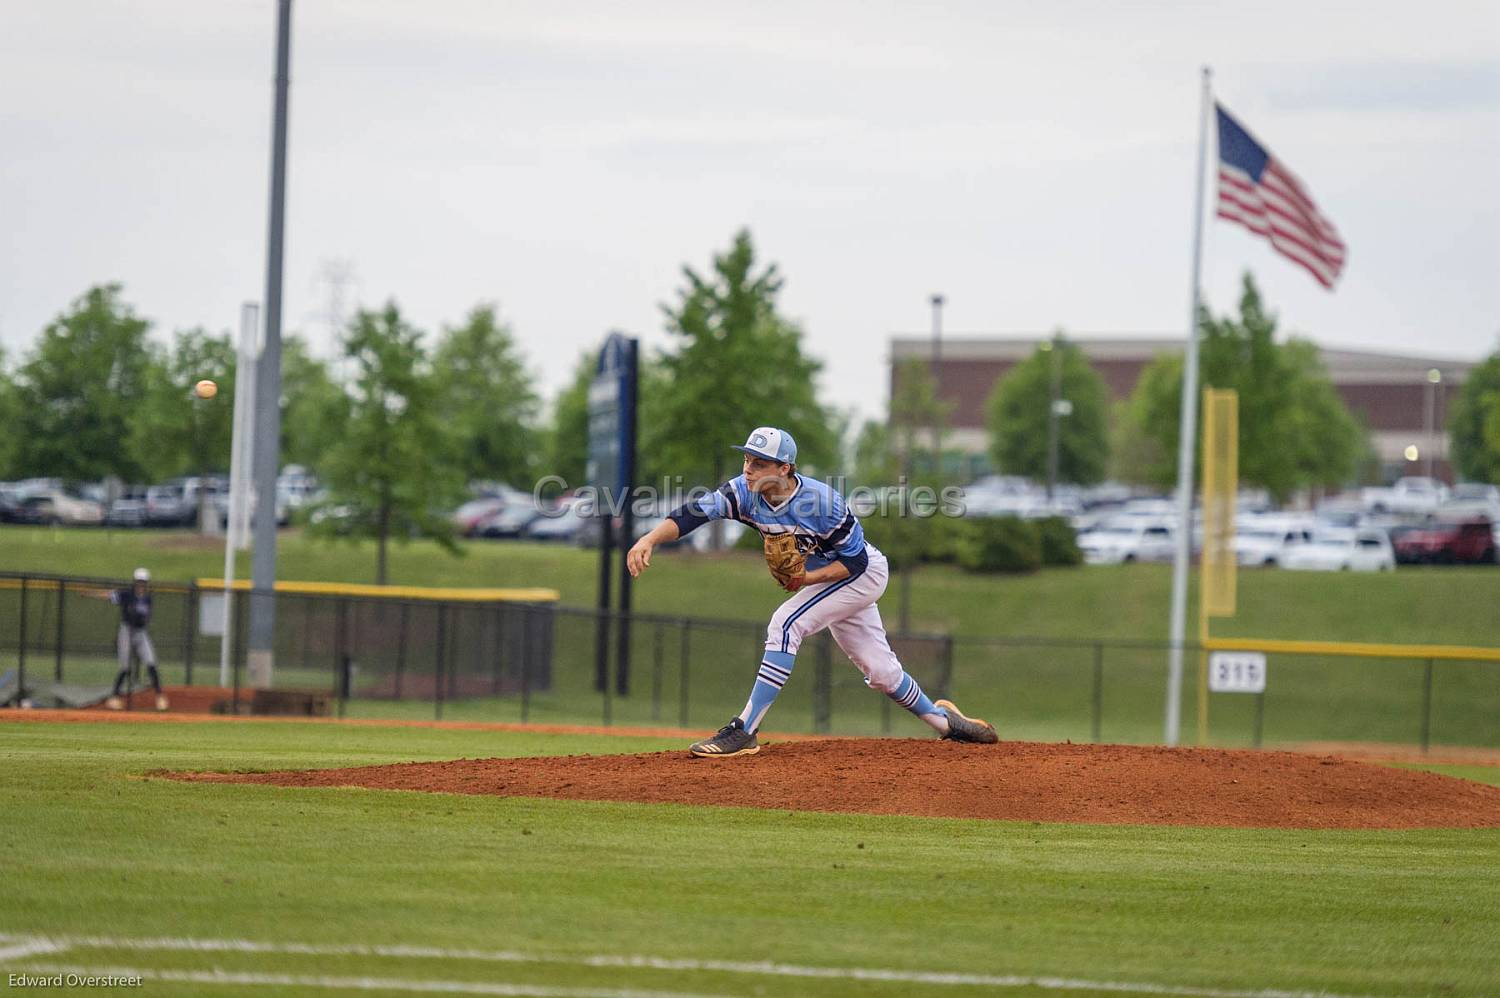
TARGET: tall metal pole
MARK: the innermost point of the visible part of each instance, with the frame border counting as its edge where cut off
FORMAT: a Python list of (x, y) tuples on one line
[(267, 456), (1186, 433), (937, 384)]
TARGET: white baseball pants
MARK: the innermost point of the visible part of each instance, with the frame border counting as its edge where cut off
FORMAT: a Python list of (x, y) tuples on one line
[(848, 609)]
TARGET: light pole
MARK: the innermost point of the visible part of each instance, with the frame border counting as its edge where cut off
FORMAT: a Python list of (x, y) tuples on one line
[(937, 383), (1434, 378)]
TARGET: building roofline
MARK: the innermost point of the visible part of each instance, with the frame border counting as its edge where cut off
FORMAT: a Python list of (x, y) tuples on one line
[(1343, 362)]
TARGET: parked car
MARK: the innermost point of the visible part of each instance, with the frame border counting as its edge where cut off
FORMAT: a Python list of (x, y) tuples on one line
[(1127, 539), (295, 488), (1465, 541), (468, 516), (1475, 500), (559, 524), (511, 521), (128, 509), (1413, 494), (1334, 549), (55, 506), (10, 505), (175, 503), (1267, 542)]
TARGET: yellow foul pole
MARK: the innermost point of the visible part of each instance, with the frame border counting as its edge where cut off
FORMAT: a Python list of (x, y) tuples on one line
[(1221, 463)]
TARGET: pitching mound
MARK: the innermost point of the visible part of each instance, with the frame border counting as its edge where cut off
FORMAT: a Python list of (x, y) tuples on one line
[(1014, 781)]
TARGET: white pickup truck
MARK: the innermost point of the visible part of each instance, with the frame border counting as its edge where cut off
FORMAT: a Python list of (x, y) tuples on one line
[(1408, 495)]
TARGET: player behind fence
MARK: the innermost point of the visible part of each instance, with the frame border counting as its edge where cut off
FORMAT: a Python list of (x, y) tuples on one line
[(817, 551), (135, 616)]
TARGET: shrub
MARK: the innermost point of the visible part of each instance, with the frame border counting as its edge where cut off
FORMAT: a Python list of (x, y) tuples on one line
[(1000, 544), (907, 540), (1059, 541)]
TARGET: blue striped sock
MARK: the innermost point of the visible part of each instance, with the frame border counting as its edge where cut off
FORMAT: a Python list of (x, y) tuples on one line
[(775, 670), (909, 695)]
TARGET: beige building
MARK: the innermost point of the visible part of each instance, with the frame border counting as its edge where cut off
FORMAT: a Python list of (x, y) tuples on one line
[(1402, 399)]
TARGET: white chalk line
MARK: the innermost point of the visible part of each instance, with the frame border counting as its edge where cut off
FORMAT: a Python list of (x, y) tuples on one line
[(357, 983), (22, 947), (758, 968)]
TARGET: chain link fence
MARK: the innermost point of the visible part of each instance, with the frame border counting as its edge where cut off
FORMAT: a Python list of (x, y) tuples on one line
[(383, 657)]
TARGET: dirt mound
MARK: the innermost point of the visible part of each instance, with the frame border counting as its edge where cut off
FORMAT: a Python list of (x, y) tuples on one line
[(1016, 781)]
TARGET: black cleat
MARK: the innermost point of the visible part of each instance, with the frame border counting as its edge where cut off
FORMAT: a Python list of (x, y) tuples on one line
[(967, 729), (731, 740)]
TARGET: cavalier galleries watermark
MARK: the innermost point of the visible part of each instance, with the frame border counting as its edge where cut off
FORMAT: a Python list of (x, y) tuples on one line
[(62, 980), (901, 500)]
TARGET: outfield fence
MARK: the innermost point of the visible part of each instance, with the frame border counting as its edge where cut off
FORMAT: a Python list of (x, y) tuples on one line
[(366, 653)]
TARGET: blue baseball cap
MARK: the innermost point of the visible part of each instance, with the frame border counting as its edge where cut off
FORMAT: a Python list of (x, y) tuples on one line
[(772, 444)]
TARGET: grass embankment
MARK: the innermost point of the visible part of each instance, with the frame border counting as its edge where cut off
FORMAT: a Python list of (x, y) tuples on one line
[(96, 851), (1411, 605)]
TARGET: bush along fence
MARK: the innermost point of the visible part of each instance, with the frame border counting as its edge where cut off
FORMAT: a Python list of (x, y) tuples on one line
[(492, 656)]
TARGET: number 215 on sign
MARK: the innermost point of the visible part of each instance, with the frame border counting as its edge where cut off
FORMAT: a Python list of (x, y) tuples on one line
[(1237, 672)]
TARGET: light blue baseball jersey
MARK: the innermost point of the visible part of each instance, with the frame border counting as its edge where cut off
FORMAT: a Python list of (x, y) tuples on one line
[(826, 529)]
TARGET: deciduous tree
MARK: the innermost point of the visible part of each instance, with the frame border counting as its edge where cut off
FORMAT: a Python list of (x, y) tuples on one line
[(1474, 424), (1017, 416), (391, 471), (314, 407), (80, 390), (486, 401), (175, 432), (1295, 432), (737, 363)]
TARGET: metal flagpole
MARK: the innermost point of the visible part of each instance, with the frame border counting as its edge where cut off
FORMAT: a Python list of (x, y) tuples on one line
[(1186, 434)]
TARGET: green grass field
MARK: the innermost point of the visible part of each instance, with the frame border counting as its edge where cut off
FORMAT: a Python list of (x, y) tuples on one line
[(591, 897)]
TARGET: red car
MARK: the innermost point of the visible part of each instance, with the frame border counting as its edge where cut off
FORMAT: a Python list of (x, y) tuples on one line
[(1468, 541)]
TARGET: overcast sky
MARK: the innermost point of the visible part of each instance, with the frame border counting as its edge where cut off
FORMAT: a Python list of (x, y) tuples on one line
[(1033, 162)]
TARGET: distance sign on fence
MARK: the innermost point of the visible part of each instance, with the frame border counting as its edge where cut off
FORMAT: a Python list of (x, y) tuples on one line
[(1237, 672)]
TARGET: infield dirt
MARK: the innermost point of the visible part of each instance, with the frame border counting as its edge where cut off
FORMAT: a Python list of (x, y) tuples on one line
[(1014, 781)]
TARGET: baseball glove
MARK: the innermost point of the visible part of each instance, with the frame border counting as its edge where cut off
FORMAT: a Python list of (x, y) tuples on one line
[(788, 565)]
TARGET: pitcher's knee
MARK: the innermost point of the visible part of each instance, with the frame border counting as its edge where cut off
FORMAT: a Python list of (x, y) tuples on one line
[(883, 678), (788, 641), (784, 636)]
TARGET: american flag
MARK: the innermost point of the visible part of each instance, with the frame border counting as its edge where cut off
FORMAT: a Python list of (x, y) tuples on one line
[(1267, 198)]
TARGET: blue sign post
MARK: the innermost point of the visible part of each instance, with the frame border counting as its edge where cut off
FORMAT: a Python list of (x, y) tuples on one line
[(611, 471)]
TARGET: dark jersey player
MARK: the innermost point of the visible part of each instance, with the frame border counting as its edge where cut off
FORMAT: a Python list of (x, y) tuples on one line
[(135, 617)]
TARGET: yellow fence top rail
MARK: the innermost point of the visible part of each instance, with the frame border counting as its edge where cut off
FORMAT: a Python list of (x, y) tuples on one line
[(1468, 653), (436, 594)]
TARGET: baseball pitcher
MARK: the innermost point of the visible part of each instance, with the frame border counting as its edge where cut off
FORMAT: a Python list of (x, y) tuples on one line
[(816, 550)]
